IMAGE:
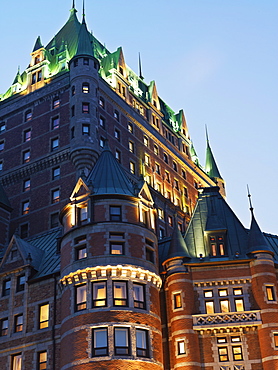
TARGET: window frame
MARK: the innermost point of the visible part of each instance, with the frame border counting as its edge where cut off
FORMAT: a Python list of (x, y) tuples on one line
[(94, 342), (43, 316), (82, 304), (18, 323), (122, 350), (4, 327), (115, 217), (141, 304), (142, 351), (42, 363), (99, 300), (122, 301)]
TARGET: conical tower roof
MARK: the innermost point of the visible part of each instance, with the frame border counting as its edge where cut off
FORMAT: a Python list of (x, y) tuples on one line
[(211, 166), (177, 246), (38, 44), (84, 45), (108, 176), (256, 240)]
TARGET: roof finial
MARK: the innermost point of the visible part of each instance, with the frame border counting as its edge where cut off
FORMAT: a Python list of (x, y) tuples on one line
[(73, 4), (140, 68), (83, 14), (207, 133), (250, 203)]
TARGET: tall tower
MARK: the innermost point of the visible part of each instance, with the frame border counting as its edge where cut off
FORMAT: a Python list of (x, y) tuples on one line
[(109, 274)]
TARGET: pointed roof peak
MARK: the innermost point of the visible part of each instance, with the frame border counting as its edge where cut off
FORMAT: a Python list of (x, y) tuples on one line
[(73, 9), (177, 248), (250, 202), (38, 44), (140, 68), (211, 167)]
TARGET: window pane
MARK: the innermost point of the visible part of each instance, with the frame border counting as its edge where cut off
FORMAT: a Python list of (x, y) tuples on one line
[(17, 362), (81, 297), (100, 342), (181, 347), (223, 354), (270, 293), (44, 316), (222, 292), (121, 341), (208, 293), (138, 295), (239, 304), (120, 294), (177, 300), (116, 248), (141, 343), (225, 306), (237, 353), (276, 339), (99, 294), (209, 307), (237, 291)]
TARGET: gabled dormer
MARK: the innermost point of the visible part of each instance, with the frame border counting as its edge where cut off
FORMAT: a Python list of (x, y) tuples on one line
[(153, 96), (146, 210)]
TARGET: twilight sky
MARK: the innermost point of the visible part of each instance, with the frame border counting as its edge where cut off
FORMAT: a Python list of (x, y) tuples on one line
[(216, 59)]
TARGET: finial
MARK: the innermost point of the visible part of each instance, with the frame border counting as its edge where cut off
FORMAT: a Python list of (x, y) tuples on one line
[(83, 14), (140, 68), (207, 133), (250, 202), (73, 4)]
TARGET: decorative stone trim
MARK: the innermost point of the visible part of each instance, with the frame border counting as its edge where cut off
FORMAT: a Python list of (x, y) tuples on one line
[(228, 330), (119, 271), (221, 282)]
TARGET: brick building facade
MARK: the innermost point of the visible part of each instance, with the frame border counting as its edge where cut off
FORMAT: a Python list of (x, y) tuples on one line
[(118, 249)]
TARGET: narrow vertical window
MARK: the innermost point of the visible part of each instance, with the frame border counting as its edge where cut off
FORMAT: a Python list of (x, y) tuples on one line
[(56, 103), (239, 304), (275, 337), (27, 185), (237, 353), (25, 207), (120, 293), (26, 156), (42, 360), (270, 293), (20, 284), (209, 307), (177, 300), (139, 296), (224, 305), (55, 123), (100, 342), (85, 88), (121, 337), (54, 144), (44, 316), (4, 325), (142, 349), (17, 362), (181, 347), (115, 213), (81, 297), (55, 196), (99, 294), (18, 323)]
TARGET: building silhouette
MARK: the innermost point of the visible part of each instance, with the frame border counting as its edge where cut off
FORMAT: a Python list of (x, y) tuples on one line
[(118, 249)]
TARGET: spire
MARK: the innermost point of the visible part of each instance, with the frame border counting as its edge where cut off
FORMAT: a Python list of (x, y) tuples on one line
[(73, 9), (211, 167), (108, 176), (256, 239), (84, 45), (83, 12), (140, 68), (177, 246), (38, 44)]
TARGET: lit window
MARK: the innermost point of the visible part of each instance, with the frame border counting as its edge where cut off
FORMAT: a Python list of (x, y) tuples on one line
[(18, 323), (160, 213), (116, 248), (117, 115), (55, 123), (131, 146), (85, 88), (237, 291), (129, 127), (115, 213), (101, 142), (147, 160), (146, 141), (177, 300), (155, 149), (82, 214), (55, 196), (28, 115), (223, 354), (80, 297), (222, 292), (42, 360), (142, 343), (224, 305), (209, 307), (99, 294), (119, 293), (237, 353), (26, 156), (4, 326), (270, 293), (170, 221), (181, 347), (44, 316), (85, 108), (122, 341), (102, 122), (239, 304), (85, 129), (26, 185), (17, 362), (118, 155), (217, 246), (56, 103), (132, 167), (208, 293), (139, 296), (100, 342), (275, 337), (25, 207), (20, 284), (117, 134), (55, 173)]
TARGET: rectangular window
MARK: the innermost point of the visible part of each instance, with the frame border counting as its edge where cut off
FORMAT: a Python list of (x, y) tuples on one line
[(142, 343), (117, 134), (2, 145), (81, 252), (130, 128), (147, 160), (131, 146), (82, 214), (101, 142), (26, 156), (223, 354), (139, 296), (176, 184), (116, 248), (160, 213), (44, 316), (55, 123), (17, 362), (165, 157), (117, 115), (102, 122), (25, 207), (54, 220), (54, 144), (101, 102), (26, 185), (115, 213), (177, 300), (224, 305), (99, 294), (55, 196), (42, 360), (120, 293), (56, 103), (155, 149), (20, 284), (170, 221), (237, 353), (209, 307), (275, 336), (118, 155), (81, 297), (85, 88), (2, 127), (1, 166), (183, 173), (55, 173), (28, 115), (270, 293), (208, 293), (239, 304), (85, 129), (238, 291), (222, 292), (175, 167), (146, 141), (18, 323), (150, 254), (100, 342), (132, 167), (121, 336), (85, 108), (181, 347), (4, 326), (157, 168)]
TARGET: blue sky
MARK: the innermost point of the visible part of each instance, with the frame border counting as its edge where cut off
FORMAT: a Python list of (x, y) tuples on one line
[(216, 59)]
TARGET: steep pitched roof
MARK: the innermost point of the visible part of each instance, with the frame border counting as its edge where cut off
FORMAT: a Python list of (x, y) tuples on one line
[(177, 246), (38, 44), (211, 166), (256, 240), (109, 177), (84, 45)]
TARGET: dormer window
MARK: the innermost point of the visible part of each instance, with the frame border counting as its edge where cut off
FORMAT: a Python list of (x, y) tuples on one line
[(217, 245), (37, 59)]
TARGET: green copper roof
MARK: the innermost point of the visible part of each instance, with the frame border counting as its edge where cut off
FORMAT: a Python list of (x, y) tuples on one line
[(108, 176), (38, 44), (84, 44), (211, 167)]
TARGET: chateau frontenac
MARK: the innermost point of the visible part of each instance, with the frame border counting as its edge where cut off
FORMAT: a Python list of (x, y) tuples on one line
[(118, 249)]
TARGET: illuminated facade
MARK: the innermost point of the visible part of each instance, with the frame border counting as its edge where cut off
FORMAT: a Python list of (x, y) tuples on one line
[(118, 249)]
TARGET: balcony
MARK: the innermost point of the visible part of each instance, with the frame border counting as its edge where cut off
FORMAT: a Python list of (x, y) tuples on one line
[(221, 320)]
